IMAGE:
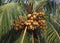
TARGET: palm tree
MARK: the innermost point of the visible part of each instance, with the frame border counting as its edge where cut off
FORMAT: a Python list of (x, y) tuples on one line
[(12, 11)]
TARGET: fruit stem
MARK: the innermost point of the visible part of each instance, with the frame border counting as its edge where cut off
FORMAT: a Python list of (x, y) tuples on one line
[(32, 38), (24, 34)]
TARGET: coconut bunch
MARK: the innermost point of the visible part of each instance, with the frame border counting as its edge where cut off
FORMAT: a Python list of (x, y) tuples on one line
[(19, 23), (34, 21)]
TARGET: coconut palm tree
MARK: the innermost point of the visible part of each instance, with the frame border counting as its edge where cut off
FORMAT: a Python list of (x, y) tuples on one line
[(12, 11)]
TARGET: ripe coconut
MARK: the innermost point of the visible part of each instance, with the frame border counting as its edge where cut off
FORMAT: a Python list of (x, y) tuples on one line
[(27, 23), (35, 23), (31, 18), (34, 16), (22, 23), (29, 15), (42, 13), (39, 21), (43, 21), (31, 21), (31, 27), (34, 12)]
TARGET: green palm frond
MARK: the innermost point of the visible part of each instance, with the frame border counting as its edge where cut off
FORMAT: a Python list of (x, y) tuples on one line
[(57, 16), (55, 24), (52, 35), (10, 12), (39, 4)]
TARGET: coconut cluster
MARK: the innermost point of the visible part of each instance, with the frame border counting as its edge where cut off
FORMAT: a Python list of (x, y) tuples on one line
[(34, 21)]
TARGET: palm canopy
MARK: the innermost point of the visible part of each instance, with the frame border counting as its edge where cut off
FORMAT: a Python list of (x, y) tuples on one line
[(7, 15), (11, 11)]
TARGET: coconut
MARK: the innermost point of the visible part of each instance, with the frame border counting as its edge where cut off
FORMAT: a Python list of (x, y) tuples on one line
[(39, 21), (31, 27), (29, 15), (28, 21), (34, 12), (31, 18), (34, 16), (42, 13), (43, 21), (35, 23), (31, 21)]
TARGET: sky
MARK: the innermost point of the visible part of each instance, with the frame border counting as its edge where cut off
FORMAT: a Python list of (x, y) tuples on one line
[(57, 1)]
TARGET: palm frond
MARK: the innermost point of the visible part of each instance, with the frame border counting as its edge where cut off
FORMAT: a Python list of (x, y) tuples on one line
[(52, 35), (10, 12), (38, 4), (55, 24)]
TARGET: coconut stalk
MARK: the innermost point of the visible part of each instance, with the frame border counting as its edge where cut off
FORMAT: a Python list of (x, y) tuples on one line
[(24, 34), (32, 38)]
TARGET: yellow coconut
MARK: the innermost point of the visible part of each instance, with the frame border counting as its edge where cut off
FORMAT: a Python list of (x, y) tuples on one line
[(44, 25), (31, 27), (42, 13), (29, 15), (22, 23), (27, 23), (31, 21), (34, 16), (39, 21), (35, 23), (31, 18), (43, 21), (34, 12)]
